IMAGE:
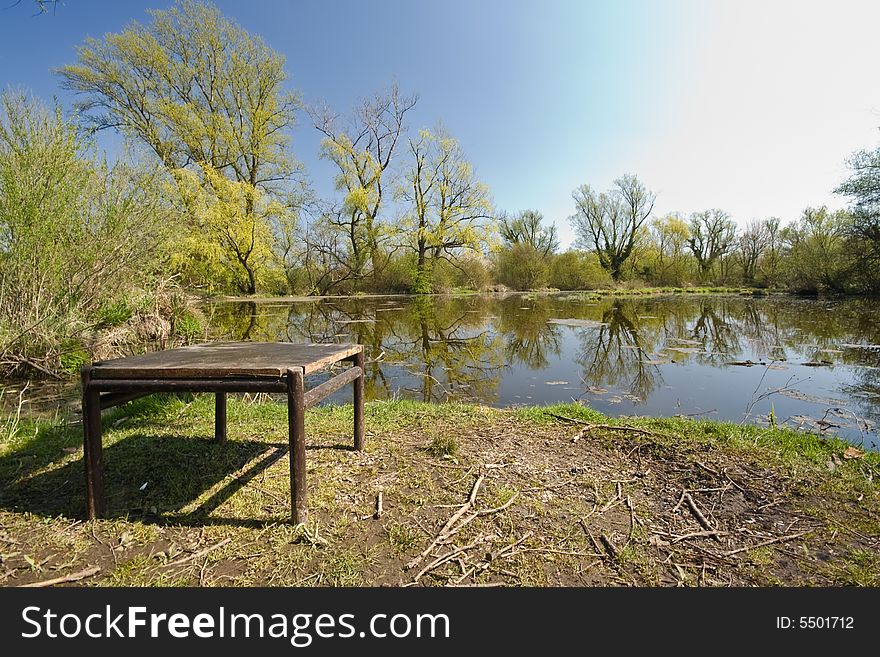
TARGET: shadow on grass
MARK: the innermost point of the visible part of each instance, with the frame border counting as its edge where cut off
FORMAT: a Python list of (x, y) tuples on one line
[(150, 478)]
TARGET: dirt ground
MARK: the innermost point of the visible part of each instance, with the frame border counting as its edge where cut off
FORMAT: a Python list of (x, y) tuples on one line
[(443, 496)]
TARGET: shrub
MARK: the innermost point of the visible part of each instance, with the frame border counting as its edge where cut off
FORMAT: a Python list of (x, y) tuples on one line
[(521, 267), (577, 270), (76, 236)]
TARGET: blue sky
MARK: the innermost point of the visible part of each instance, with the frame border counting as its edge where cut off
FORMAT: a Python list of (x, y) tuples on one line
[(752, 107)]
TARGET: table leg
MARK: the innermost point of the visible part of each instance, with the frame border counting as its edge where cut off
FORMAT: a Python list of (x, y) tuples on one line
[(297, 433), (92, 449), (220, 417), (359, 402)]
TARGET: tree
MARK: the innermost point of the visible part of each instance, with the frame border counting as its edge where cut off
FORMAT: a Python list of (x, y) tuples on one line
[(449, 208), (750, 246), (670, 235), (817, 258), (206, 97), (769, 263), (363, 152), (526, 228), (610, 222), (863, 188), (712, 234)]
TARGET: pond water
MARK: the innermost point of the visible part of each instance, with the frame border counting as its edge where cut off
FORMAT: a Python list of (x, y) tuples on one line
[(813, 364)]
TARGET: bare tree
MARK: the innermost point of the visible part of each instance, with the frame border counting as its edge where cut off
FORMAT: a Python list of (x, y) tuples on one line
[(712, 235), (752, 243), (362, 148), (449, 208), (526, 228), (610, 222)]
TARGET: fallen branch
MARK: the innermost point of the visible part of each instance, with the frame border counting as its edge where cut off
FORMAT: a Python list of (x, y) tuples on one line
[(72, 577), (441, 535), (449, 556)]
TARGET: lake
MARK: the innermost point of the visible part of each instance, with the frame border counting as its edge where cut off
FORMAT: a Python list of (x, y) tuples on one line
[(812, 364)]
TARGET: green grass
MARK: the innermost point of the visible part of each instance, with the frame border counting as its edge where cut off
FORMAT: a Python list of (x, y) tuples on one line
[(173, 492)]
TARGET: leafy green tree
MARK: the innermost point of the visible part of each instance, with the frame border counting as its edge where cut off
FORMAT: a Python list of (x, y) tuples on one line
[(206, 97), (670, 237), (521, 267), (863, 188), (449, 208), (817, 259), (610, 222)]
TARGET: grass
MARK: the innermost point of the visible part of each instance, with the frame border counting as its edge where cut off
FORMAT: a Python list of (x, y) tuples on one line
[(554, 482)]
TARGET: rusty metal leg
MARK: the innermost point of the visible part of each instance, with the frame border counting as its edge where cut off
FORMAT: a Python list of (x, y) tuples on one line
[(220, 417), (92, 449), (359, 402), (297, 432)]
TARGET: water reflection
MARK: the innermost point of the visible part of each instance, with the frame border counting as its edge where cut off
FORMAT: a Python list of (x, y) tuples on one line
[(723, 356)]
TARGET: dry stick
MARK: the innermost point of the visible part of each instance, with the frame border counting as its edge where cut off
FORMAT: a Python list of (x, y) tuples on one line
[(590, 534), (449, 523), (378, 513), (494, 556), (449, 556), (72, 577), (609, 546), (589, 426), (200, 553), (479, 514), (683, 537), (571, 553), (632, 518), (778, 539), (704, 523)]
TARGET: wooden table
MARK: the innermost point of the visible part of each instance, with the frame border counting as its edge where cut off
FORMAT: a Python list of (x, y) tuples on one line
[(221, 367)]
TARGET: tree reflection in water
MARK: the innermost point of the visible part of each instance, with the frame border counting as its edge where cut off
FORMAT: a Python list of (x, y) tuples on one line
[(465, 347)]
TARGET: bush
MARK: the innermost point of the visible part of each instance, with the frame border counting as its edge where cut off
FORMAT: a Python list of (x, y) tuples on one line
[(76, 237), (521, 267), (577, 270)]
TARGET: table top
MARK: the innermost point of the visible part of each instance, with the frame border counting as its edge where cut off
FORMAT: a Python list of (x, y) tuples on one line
[(225, 359)]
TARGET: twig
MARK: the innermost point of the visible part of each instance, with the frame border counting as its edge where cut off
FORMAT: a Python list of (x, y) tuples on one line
[(441, 535), (590, 426), (632, 517), (72, 577), (609, 546), (200, 553), (449, 556), (704, 523), (778, 539), (378, 513), (683, 537)]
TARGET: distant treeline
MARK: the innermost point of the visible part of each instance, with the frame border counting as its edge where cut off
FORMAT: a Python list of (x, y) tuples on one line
[(209, 196)]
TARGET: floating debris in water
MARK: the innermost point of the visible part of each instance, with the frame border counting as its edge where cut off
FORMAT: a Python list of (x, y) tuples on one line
[(556, 383), (577, 322)]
